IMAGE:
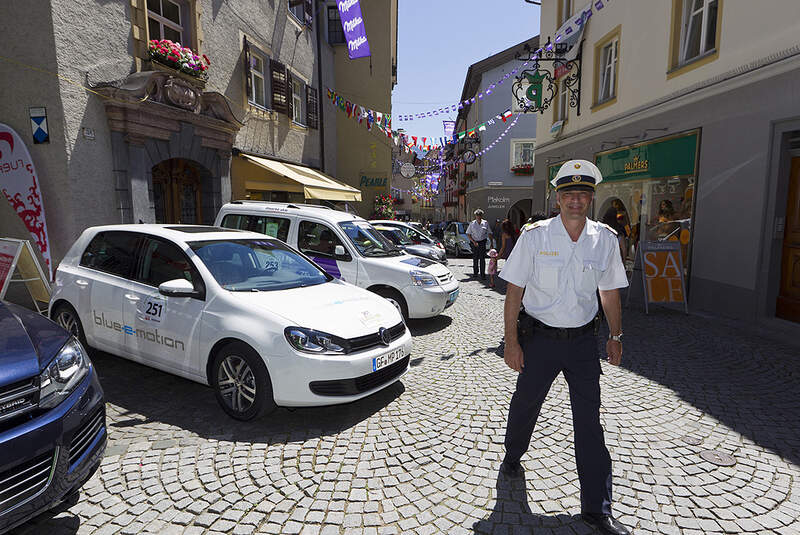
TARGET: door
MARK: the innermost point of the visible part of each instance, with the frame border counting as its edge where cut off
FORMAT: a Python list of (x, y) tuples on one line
[(176, 192), (788, 306), (318, 241), (165, 329), (104, 277)]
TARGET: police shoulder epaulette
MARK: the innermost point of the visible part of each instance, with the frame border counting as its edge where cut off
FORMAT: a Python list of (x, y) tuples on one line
[(614, 232), (530, 226)]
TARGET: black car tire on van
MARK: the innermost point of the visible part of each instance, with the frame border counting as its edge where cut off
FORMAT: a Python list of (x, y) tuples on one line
[(241, 382), (66, 317), (396, 298)]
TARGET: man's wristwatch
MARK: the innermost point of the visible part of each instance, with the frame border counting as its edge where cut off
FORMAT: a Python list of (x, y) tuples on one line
[(616, 337)]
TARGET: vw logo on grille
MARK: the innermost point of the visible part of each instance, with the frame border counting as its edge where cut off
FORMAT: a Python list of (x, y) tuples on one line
[(386, 338)]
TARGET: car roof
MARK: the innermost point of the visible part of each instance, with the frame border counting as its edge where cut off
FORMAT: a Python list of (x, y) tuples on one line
[(279, 208), (182, 233)]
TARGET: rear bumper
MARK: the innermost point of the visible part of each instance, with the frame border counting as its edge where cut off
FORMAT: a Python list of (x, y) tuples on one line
[(64, 446)]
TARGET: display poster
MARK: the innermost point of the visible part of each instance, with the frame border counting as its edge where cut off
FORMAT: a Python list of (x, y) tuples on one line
[(8, 256), (662, 272), (20, 186), (23, 267), (354, 31)]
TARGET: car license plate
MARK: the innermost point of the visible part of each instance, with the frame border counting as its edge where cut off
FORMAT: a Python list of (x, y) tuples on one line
[(387, 359), (453, 296)]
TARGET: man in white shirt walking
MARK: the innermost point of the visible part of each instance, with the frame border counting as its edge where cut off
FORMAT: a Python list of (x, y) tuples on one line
[(555, 270), (478, 232)]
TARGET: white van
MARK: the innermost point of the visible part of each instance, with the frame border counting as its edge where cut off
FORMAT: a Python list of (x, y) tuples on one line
[(350, 249)]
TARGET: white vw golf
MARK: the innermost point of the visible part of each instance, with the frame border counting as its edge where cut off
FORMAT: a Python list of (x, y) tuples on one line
[(240, 311)]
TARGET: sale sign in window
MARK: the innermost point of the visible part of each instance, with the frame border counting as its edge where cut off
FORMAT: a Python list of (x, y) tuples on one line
[(663, 272)]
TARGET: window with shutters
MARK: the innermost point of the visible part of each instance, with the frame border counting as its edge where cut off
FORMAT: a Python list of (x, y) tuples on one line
[(298, 90), (258, 88), (312, 110), (280, 87), (335, 30)]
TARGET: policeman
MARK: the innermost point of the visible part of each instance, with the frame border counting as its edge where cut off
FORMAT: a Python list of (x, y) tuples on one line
[(554, 271)]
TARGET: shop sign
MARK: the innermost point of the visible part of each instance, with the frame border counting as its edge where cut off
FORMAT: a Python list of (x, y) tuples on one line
[(497, 202), (662, 272), (373, 182), (675, 156)]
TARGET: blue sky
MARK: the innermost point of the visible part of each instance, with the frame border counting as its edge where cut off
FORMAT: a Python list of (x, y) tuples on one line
[(437, 42)]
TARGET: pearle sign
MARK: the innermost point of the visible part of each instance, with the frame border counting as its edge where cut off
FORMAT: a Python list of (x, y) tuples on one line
[(354, 31)]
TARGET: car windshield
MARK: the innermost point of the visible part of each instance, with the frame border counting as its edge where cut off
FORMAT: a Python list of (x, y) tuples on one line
[(368, 240), (251, 265), (461, 228), (396, 236)]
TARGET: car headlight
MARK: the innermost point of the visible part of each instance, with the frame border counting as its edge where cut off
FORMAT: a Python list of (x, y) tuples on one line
[(421, 278), (63, 375), (311, 341)]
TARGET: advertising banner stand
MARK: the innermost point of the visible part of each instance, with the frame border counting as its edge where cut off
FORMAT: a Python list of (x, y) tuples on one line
[(661, 266), (19, 264)]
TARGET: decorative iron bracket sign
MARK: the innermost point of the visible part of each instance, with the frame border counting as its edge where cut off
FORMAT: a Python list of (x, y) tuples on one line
[(535, 88)]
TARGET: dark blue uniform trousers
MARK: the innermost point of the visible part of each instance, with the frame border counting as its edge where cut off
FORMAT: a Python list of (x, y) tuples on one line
[(577, 357)]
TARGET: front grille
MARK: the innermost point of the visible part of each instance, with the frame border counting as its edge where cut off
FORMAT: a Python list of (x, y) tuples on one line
[(351, 387), (444, 279), (26, 480), (369, 341), (84, 436), (19, 398)]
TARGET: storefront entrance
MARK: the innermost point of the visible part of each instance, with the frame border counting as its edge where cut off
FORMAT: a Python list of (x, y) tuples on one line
[(519, 213), (177, 188), (788, 306)]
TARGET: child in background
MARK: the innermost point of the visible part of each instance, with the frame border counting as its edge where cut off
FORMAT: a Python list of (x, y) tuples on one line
[(491, 270)]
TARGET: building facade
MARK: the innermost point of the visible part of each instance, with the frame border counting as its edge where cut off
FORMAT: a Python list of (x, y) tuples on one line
[(696, 129), (132, 139), (501, 181), (364, 156)]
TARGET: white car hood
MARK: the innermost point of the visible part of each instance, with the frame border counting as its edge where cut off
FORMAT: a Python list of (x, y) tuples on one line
[(411, 262), (336, 308)]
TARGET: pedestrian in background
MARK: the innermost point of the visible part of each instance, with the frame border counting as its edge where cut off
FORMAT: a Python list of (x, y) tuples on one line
[(555, 271), (492, 269), (496, 230), (478, 232), (507, 239)]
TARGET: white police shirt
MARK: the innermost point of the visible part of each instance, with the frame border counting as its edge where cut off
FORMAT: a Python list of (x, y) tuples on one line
[(479, 231), (560, 276)]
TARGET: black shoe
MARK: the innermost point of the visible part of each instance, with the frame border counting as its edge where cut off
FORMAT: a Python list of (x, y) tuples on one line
[(511, 469), (605, 523)]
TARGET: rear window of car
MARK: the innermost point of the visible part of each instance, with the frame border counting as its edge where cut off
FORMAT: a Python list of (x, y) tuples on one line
[(276, 227), (113, 252)]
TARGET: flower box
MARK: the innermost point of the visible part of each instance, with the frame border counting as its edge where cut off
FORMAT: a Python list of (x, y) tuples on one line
[(175, 59), (522, 169)]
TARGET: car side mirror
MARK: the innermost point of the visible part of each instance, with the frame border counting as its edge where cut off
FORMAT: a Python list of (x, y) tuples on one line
[(340, 253), (177, 288)]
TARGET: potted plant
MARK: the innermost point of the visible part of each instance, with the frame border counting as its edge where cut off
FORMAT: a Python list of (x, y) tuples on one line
[(523, 169), (180, 58)]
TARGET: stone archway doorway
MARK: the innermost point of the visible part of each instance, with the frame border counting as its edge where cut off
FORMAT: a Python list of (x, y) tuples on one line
[(519, 213), (177, 191)]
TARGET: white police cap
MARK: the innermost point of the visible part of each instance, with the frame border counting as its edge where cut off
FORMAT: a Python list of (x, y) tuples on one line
[(577, 174)]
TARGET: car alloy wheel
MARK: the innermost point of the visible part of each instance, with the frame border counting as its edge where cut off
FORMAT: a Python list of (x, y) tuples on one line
[(237, 384), (241, 382), (66, 317)]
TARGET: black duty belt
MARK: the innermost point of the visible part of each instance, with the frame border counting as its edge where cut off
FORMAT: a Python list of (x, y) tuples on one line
[(528, 324)]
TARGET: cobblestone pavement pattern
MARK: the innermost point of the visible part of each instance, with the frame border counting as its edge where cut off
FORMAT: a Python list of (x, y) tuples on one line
[(422, 456)]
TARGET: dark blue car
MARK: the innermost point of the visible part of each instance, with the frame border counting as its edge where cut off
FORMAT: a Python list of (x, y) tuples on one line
[(52, 415)]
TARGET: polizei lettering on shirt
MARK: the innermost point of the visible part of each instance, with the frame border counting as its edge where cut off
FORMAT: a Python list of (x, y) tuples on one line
[(146, 334)]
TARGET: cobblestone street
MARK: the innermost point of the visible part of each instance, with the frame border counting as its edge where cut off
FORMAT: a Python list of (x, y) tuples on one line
[(423, 456)]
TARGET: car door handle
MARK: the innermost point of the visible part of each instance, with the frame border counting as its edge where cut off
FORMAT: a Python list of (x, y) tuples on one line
[(82, 283), (132, 297)]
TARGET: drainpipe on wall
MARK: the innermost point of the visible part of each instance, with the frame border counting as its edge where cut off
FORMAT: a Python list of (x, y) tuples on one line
[(321, 88)]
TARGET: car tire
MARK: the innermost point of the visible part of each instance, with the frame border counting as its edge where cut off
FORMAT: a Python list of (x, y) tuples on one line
[(241, 382), (396, 298), (67, 318)]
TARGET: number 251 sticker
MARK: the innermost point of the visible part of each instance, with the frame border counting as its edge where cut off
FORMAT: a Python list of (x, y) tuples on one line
[(153, 309)]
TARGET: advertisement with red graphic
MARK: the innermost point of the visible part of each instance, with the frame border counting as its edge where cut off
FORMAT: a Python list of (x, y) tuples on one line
[(20, 185)]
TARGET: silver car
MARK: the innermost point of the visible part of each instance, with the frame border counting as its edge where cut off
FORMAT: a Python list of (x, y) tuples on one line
[(456, 240), (399, 239)]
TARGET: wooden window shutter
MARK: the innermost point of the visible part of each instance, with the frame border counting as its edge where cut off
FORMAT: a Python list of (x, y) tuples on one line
[(247, 63), (289, 92), (312, 113), (279, 87), (308, 8)]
